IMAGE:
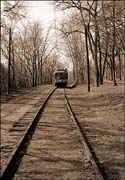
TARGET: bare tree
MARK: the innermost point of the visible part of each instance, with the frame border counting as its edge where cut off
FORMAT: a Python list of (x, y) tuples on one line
[(13, 11), (102, 26), (113, 46)]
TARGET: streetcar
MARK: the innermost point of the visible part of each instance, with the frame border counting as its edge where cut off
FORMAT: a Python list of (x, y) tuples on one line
[(61, 78)]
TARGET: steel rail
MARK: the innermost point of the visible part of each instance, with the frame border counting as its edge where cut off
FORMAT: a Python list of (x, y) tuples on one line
[(17, 154), (90, 158)]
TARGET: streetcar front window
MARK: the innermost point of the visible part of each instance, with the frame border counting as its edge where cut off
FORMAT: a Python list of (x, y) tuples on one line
[(61, 76)]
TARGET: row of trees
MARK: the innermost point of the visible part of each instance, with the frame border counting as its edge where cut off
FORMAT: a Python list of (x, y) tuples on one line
[(91, 37), (94, 37), (28, 56)]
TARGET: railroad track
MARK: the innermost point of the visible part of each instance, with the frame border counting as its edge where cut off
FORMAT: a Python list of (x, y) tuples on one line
[(9, 170), (53, 146)]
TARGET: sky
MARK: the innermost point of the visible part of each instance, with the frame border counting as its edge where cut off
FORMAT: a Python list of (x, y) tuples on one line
[(42, 11)]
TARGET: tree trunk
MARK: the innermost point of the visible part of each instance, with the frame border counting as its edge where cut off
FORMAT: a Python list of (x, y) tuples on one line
[(111, 69), (90, 42), (73, 73), (9, 61), (41, 72), (13, 68), (120, 69), (105, 57), (100, 59)]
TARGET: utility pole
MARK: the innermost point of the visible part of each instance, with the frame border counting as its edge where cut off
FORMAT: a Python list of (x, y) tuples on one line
[(113, 47), (87, 56), (95, 46)]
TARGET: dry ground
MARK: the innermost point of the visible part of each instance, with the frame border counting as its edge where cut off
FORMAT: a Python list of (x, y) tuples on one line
[(101, 115), (15, 107)]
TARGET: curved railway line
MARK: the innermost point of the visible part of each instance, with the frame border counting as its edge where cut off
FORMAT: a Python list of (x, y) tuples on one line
[(52, 146)]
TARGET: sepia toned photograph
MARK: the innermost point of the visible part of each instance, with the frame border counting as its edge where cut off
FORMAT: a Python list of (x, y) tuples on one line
[(62, 87)]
